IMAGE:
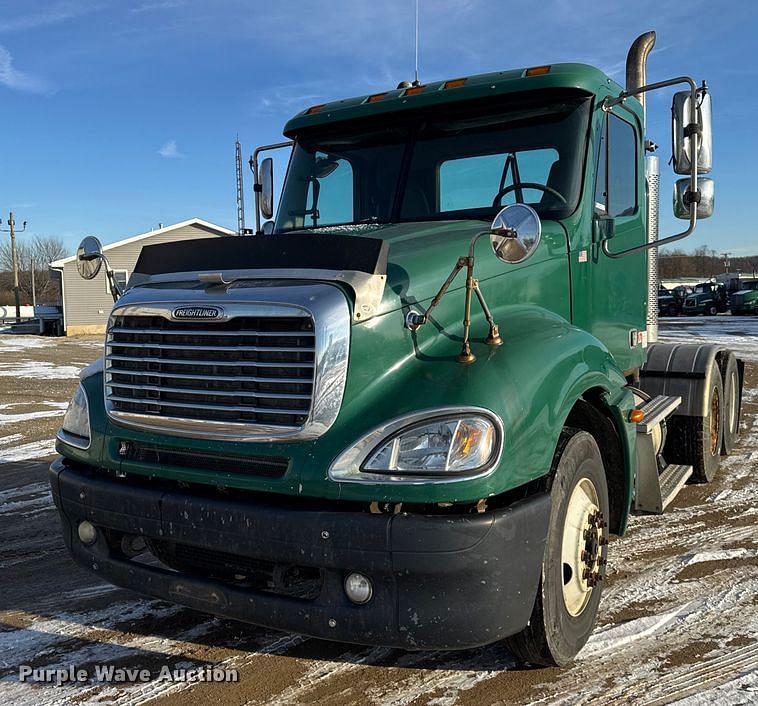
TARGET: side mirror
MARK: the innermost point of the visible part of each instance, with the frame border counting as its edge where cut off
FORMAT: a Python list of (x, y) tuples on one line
[(680, 139), (268, 228), (515, 233), (89, 257), (682, 198), (267, 187)]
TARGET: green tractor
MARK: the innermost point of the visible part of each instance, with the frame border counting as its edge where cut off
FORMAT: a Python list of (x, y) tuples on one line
[(411, 409)]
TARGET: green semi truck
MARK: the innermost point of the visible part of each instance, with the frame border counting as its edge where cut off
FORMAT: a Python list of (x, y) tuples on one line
[(411, 409), (745, 301)]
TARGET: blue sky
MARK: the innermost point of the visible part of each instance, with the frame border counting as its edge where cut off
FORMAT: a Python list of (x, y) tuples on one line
[(117, 115)]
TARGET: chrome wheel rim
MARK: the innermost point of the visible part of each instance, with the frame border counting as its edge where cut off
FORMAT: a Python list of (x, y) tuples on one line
[(581, 550)]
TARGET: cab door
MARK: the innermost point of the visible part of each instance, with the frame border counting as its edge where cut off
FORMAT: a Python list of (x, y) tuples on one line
[(611, 300)]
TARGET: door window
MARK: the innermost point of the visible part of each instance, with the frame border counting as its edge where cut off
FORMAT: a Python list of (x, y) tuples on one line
[(616, 185)]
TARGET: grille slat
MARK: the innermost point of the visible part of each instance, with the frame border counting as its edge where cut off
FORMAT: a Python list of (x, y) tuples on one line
[(245, 370), (199, 361), (193, 405), (205, 332), (235, 349), (221, 393), (219, 378)]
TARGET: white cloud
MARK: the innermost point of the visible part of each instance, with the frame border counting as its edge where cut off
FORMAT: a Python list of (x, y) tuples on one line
[(170, 150), (17, 80), (157, 6), (53, 14)]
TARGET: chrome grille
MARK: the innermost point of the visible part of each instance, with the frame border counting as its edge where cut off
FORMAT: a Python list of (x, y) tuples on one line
[(268, 363), (247, 370)]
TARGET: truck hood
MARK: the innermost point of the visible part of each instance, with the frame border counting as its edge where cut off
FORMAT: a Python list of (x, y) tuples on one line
[(422, 254)]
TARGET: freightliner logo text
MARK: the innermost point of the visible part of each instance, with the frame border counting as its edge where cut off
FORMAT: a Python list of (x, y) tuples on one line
[(198, 312)]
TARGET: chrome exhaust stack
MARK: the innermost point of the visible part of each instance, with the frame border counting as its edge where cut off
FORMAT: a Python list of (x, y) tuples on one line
[(636, 63)]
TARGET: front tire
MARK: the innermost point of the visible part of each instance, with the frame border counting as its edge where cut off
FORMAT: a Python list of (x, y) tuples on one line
[(573, 567)]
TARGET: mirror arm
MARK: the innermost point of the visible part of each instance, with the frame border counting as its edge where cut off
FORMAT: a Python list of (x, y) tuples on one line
[(414, 321), (257, 186), (694, 148), (116, 292)]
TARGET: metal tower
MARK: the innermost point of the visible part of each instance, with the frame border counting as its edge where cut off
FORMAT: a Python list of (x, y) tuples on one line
[(240, 190)]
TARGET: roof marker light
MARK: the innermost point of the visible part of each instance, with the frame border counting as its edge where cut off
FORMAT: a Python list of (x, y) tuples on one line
[(454, 83), (537, 71), (376, 97), (314, 109), (413, 90)]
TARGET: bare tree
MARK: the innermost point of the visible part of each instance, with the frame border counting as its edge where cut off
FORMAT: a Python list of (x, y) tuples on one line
[(37, 253)]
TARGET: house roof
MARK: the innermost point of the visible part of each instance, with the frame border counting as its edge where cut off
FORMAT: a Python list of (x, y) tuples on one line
[(157, 231)]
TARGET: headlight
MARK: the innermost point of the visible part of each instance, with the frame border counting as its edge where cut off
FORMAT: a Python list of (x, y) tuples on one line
[(75, 428), (430, 445)]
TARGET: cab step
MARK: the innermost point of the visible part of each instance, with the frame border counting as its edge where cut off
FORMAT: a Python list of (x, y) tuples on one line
[(654, 489), (672, 480)]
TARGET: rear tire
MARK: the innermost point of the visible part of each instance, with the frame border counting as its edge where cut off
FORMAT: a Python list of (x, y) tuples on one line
[(732, 404), (697, 440), (565, 609)]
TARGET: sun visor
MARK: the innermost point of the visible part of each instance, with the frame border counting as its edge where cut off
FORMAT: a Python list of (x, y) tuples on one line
[(266, 252)]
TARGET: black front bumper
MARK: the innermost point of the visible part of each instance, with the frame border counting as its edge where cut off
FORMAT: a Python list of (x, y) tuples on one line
[(440, 581)]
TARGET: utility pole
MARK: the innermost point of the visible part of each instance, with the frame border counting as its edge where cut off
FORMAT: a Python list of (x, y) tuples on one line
[(12, 230), (34, 291)]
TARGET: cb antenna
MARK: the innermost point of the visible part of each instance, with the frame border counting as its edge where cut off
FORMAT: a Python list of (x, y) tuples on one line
[(416, 81)]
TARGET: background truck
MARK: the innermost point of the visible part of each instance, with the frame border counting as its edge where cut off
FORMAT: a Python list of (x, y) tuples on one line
[(745, 301), (708, 298), (410, 410)]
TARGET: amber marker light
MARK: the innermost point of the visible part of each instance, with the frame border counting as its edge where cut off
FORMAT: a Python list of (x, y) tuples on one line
[(636, 416), (537, 71), (376, 97), (454, 83), (413, 90), (314, 109)]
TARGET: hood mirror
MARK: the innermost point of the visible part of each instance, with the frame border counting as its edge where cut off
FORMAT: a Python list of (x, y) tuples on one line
[(515, 233), (89, 257)]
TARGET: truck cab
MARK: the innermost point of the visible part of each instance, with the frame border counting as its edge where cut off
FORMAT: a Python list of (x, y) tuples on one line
[(708, 298), (412, 407), (744, 301)]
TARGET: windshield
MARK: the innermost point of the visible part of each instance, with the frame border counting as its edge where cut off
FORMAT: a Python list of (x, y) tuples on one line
[(460, 162)]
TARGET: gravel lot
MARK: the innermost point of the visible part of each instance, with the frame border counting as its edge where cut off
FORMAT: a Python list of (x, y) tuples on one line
[(679, 617)]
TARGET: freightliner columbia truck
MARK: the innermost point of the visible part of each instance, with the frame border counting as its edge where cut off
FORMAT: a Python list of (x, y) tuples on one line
[(412, 407)]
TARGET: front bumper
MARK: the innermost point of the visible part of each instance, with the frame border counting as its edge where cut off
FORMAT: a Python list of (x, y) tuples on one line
[(440, 581)]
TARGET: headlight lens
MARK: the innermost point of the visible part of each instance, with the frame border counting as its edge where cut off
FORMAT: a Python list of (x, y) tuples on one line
[(75, 429), (445, 446), (432, 445)]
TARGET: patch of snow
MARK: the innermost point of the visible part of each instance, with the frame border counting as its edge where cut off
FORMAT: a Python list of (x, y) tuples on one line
[(24, 417), (26, 452), (719, 555), (7, 440), (39, 370), (17, 344)]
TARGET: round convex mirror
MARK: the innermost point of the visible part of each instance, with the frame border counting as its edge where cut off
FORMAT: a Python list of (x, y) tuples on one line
[(515, 233), (89, 257)]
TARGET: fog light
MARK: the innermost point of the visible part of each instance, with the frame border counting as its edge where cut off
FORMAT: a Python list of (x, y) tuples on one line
[(87, 532), (358, 588)]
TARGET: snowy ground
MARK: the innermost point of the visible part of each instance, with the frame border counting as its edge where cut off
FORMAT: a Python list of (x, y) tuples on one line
[(679, 616)]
